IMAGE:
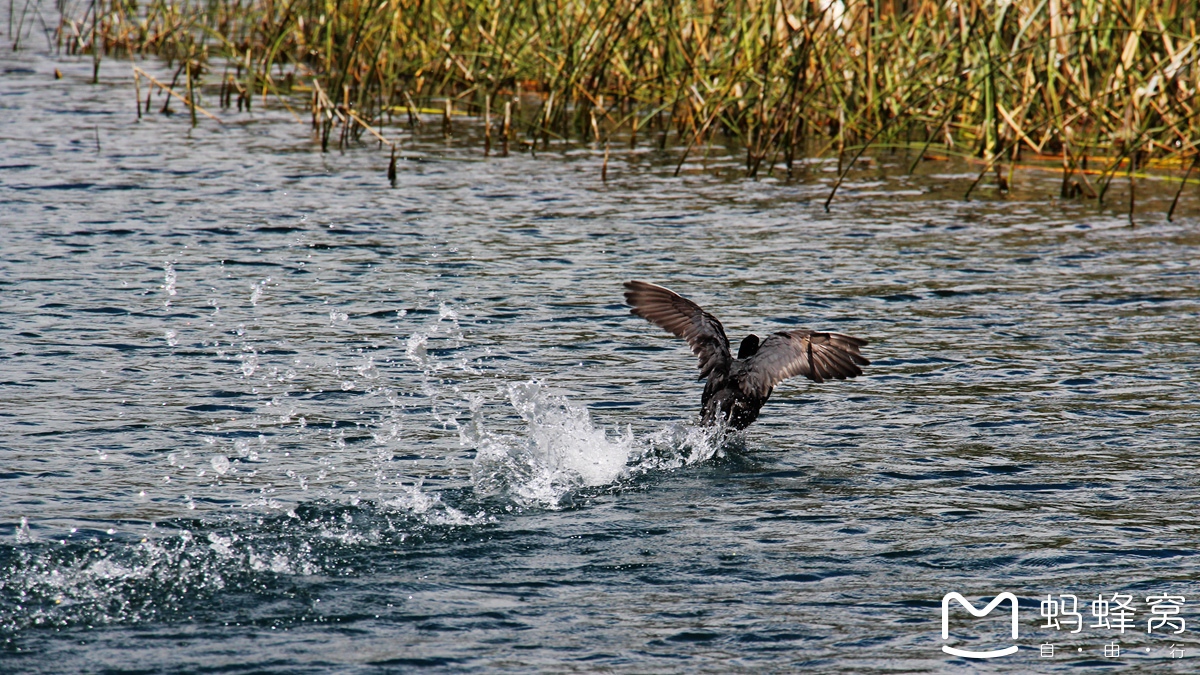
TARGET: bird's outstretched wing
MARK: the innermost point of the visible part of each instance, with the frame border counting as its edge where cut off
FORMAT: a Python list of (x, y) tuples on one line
[(684, 319), (817, 356)]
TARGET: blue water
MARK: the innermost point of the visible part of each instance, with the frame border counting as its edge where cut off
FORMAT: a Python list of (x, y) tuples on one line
[(261, 412)]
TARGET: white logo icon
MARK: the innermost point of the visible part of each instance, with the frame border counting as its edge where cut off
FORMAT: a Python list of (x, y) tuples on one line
[(1012, 649)]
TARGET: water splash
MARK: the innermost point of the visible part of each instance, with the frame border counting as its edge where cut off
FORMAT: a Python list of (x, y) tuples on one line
[(299, 508), (24, 536), (257, 290), (169, 281), (176, 568), (430, 508), (560, 451), (415, 350), (679, 445)]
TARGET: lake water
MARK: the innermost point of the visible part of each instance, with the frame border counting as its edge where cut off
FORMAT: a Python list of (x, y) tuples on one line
[(261, 412)]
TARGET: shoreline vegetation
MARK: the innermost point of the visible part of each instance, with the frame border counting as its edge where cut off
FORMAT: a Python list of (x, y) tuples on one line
[(1106, 87)]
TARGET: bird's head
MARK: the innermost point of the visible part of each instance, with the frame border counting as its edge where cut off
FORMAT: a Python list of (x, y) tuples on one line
[(749, 347)]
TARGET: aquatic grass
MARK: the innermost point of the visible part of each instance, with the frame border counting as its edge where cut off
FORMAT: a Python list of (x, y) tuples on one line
[(1078, 82)]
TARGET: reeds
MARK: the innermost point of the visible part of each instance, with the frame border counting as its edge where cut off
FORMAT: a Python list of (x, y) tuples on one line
[(1107, 82)]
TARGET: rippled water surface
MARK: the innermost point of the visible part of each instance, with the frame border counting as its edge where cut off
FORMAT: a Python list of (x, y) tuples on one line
[(260, 412)]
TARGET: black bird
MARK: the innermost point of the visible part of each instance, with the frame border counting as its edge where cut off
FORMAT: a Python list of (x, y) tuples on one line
[(738, 388)]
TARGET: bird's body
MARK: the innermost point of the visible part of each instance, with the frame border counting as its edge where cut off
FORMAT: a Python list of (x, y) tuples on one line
[(724, 399), (738, 387)]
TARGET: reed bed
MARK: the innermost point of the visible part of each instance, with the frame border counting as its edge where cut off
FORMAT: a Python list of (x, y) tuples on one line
[(1107, 87)]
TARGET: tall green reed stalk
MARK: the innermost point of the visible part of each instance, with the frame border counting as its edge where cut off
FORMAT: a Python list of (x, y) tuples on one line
[(1098, 82)]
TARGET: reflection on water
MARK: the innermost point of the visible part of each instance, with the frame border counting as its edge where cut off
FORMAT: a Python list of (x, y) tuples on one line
[(266, 411)]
